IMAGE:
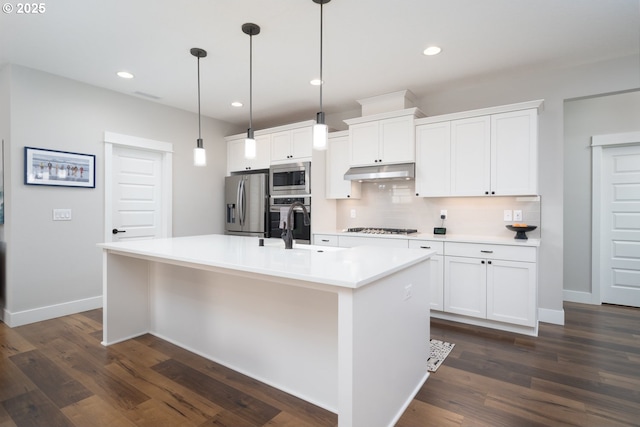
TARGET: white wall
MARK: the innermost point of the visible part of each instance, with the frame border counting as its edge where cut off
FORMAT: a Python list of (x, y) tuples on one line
[(55, 266), (584, 118), (4, 135)]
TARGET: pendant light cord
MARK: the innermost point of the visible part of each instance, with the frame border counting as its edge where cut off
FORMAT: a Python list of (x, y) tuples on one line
[(321, 79), (199, 129), (251, 81)]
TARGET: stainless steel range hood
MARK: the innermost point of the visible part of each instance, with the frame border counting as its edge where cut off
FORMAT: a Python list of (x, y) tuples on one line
[(404, 171)]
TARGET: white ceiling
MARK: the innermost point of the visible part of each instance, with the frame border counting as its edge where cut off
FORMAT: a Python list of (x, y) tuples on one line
[(371, 47)]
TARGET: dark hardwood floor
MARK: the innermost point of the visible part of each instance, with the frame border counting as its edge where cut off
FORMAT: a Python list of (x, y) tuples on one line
[(585, 373)]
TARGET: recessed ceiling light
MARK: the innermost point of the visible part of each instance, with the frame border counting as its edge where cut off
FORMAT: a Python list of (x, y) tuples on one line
[(236, 104), (432, 50), (125, 74), (316, 82)]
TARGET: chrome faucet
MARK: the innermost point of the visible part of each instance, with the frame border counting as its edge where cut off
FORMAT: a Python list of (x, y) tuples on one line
[(287, 233)]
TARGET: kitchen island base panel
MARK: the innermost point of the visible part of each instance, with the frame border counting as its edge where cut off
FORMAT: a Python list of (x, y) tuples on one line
[(358, 351)]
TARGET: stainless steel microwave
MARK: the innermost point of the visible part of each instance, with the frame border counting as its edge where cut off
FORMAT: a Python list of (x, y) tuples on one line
[(291, 179)]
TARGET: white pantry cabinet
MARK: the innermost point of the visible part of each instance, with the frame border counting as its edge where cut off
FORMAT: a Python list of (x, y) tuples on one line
[(336, 166), (475, 154), (293, 145), (496, 282), (383, 138), (236, 161), (436, 295)]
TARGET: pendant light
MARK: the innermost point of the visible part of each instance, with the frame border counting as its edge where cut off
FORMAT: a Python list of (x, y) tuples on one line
[(250, 142), (199, 155), (320, 132)]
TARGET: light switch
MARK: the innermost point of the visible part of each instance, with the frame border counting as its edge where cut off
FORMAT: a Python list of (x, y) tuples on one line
[(62, 214), (508, 215), (353, 213)]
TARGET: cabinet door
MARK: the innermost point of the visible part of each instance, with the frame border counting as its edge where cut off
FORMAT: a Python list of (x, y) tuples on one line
[(470, 156), (235, 156), (433, 160), (281, 146), (465, 286), (397, 140), (263, 153), (363, 144), (337, 164), (511, 292), (301, 143), (514, 153)]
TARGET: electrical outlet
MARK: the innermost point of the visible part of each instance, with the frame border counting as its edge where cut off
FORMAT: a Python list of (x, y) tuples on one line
[(407, 291), (508, 215), (353, 213), (517, 215), (443, 212)]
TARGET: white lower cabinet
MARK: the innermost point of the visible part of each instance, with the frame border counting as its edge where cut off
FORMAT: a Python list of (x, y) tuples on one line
[(436, 295), (494, 282)]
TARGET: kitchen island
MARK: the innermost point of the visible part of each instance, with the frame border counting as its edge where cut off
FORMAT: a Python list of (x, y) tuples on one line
[(345, 329)]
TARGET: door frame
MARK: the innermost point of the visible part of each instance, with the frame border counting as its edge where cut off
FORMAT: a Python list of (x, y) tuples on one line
[(598, 144), (133, 142)]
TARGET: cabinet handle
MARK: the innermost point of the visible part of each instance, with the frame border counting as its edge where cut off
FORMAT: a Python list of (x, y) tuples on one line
[(425, 247), (348, 195), (493, 192), (482, 262), (486, 192), (488, 262), (324, 240), (417, 194), (487, 252)]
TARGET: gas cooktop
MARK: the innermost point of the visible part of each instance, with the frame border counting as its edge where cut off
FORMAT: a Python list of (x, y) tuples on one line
[(372, 230)]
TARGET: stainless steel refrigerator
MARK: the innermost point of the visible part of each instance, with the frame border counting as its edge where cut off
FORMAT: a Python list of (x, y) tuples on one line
[(247, 204)]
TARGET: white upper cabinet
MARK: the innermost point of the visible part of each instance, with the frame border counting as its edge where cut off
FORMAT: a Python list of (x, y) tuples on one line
[(378, 140), (471, 157), (236, 161), (294, 145), (479, 155), (433, 160), (514, 153), (337, 164)]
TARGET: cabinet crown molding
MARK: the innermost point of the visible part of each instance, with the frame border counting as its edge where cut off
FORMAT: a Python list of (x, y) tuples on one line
[(537, 104), (388, 115), (274, 129)]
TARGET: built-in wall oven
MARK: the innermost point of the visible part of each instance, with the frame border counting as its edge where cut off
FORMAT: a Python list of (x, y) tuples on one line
[(291, 179), (278, 209)]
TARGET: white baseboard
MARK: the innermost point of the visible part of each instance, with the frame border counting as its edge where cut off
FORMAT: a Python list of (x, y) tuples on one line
[(578, 296), (555, 317), (25, 317)]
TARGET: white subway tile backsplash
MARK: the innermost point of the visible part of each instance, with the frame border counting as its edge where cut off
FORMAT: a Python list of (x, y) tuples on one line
[(394, 205)]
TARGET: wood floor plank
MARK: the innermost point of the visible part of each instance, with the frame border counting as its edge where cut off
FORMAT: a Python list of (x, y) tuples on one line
[(13, 381), (193, 407), (12, 342), (95, 412), (54, 383), (422, 414), (34, 409), (241, 404)]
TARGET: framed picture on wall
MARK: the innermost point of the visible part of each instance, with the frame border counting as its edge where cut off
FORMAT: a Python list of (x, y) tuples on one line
[(61, 168)]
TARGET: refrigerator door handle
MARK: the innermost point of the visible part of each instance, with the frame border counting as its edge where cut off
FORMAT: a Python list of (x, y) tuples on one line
[(239, 202), (243, 203)]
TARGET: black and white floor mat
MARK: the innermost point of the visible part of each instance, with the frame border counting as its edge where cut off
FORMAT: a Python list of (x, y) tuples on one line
[(439, 350)]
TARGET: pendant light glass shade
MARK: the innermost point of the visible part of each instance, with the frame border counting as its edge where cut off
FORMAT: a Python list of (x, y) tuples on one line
[(250, 149), (320, 131), (199, 154)]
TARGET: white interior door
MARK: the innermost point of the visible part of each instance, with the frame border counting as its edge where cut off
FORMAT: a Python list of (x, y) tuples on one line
[(620, 226), (138, 187)]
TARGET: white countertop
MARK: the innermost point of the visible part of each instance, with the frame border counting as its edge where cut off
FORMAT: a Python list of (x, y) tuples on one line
[(344, 267), (461, 238)]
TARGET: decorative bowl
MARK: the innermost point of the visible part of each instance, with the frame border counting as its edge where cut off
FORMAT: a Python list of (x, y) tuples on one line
[(521, 230)]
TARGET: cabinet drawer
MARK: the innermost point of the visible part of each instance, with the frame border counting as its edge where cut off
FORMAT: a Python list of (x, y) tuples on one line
[(479, 250), (352, 241), (325, 240), (427, 244)]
